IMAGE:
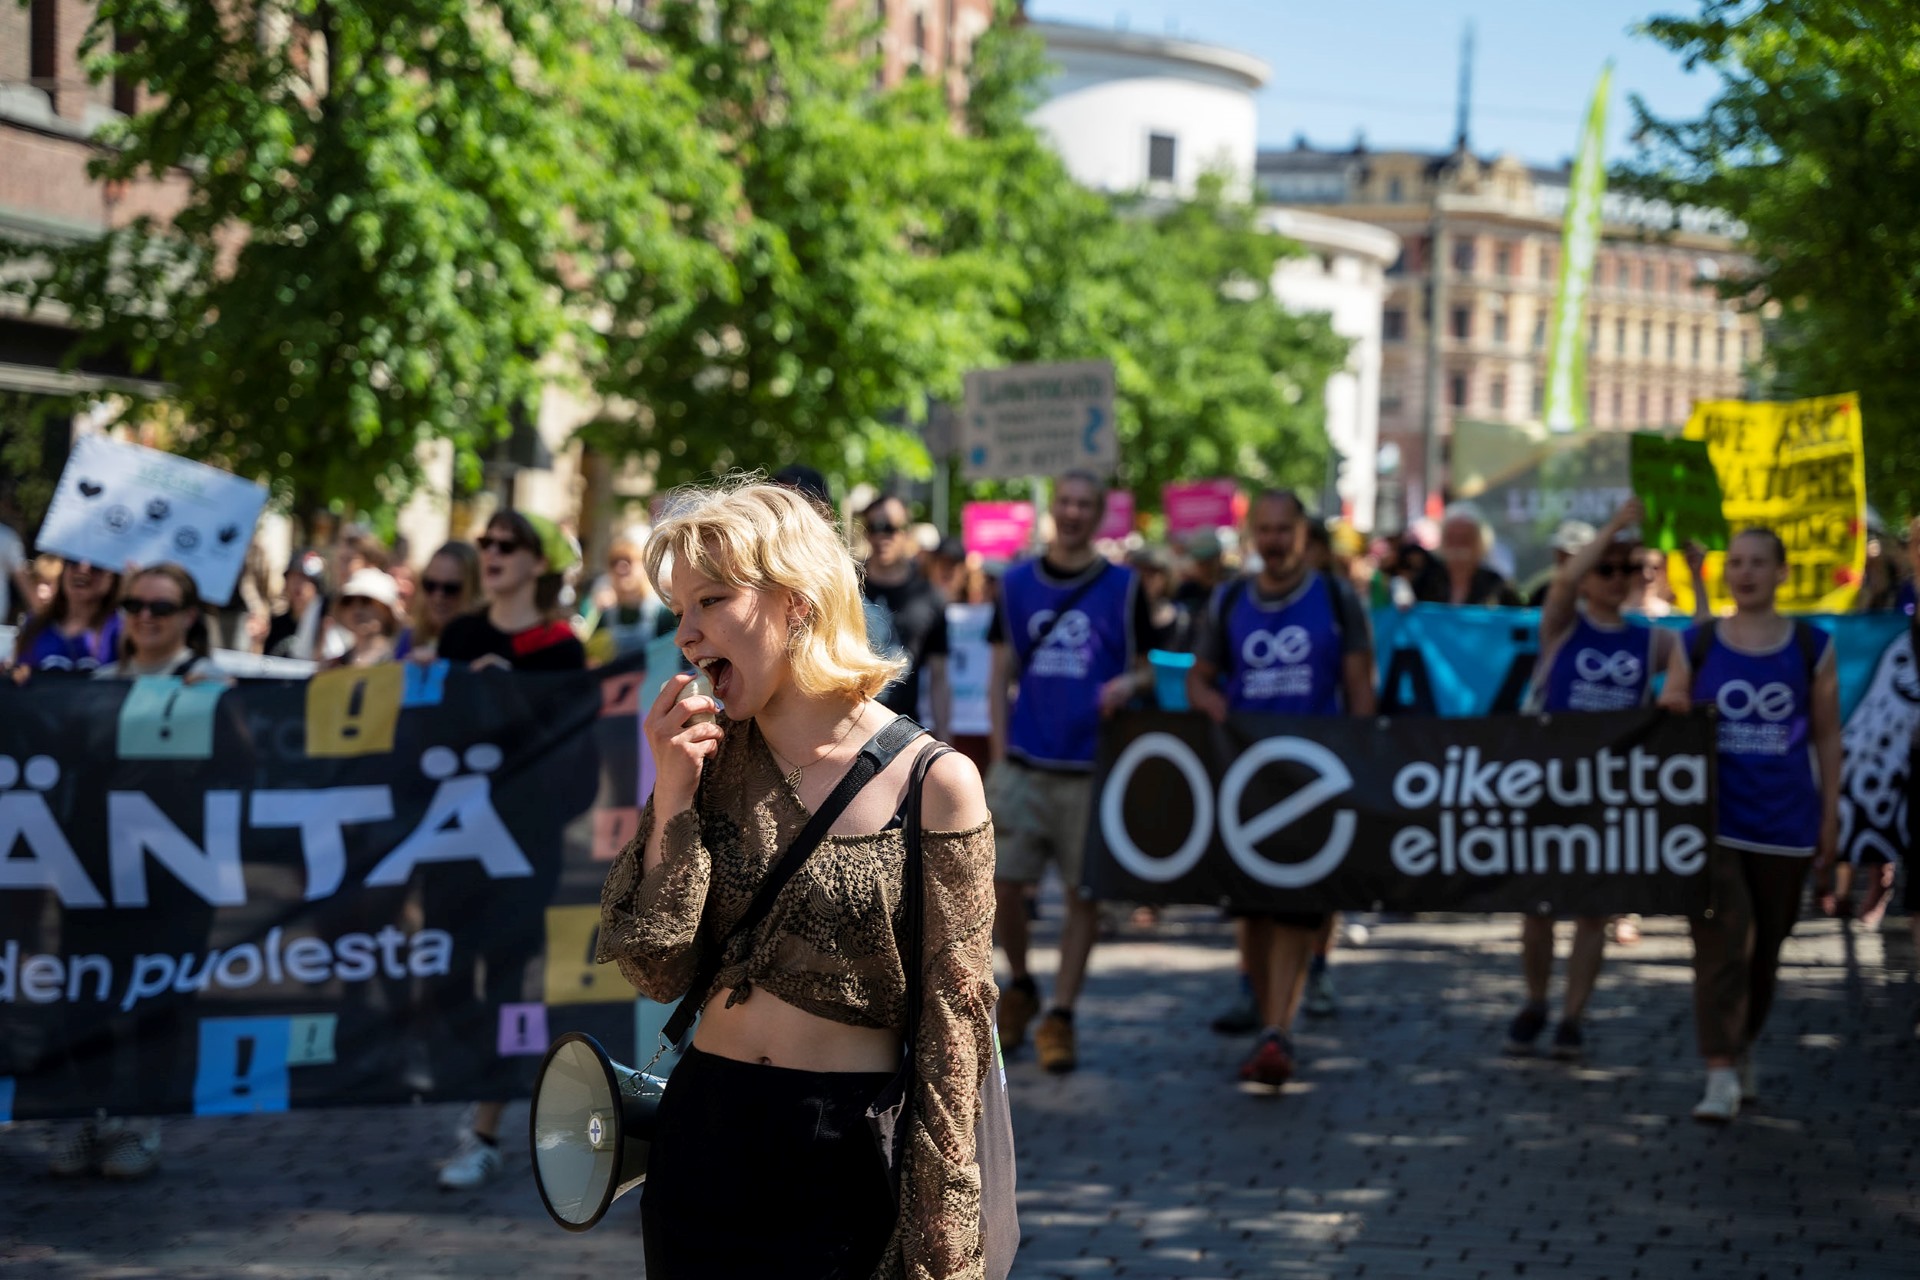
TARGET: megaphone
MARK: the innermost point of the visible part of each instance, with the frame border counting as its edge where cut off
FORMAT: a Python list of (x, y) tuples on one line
[(590, 1125)]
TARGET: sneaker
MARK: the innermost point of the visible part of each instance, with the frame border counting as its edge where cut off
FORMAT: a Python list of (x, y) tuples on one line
[(473, 1165), (1239, 1018), (1721, 1102), (1569, 1042), (129, 1153), (1320, 1003), (1526, 1028), (1054, 1044), (77, 1152), (1749, 1077), (1270, 1065), (1019, 1005)]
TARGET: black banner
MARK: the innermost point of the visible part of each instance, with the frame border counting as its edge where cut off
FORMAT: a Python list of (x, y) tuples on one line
[(375, 885), (1579, 814)]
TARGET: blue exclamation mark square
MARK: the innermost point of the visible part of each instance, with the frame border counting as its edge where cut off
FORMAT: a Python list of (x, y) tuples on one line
[(6, 1099), (243, 1066)]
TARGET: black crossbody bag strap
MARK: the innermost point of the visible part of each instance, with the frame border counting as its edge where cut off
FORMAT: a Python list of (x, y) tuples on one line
[(876, 755), (1074, 597)]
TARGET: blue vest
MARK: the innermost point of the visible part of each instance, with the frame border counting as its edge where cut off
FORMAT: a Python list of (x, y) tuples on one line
[(1769, 796), (1601, 669), (1056, 720), (1283, 656)]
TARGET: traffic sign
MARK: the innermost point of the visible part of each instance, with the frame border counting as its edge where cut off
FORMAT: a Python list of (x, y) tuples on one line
[(1039, 420)]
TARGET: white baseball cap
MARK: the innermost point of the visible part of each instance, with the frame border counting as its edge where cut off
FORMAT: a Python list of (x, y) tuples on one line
[(372, 584)]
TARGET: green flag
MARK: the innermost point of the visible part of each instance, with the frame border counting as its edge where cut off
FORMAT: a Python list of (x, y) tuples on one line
[(1566, 398)]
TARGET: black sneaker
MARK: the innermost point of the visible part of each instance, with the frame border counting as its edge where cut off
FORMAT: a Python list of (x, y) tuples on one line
[(1526, 1028), (1569, 1042)]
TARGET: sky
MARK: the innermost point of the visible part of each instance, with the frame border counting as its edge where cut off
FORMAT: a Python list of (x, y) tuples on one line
[(1390, 69)]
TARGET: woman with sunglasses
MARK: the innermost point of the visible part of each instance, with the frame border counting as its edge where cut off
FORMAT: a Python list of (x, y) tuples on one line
[(165, 629), (523, 560), (79, 630), (1592, 658), (449, 587)]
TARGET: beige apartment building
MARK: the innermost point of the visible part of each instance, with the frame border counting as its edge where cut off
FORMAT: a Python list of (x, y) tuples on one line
[(1658, 335)]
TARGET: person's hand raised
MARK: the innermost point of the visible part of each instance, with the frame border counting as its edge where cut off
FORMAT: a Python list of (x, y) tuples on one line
[(680, 747)]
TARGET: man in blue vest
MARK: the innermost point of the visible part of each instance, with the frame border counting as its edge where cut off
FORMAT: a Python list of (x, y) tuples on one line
[(1066, 638), (1287, 641)]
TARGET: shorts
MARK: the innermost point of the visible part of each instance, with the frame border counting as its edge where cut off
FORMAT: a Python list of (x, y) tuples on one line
[(1037, 817)]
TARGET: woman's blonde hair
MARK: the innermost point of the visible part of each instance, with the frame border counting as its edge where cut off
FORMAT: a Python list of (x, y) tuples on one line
[(759, 536)]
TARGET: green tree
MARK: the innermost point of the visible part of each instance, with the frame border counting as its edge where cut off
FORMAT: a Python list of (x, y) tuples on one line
[(1811, 143), (398, 215)]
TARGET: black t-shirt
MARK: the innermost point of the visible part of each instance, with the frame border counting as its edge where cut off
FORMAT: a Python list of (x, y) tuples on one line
[(547, 646), (908, 618)]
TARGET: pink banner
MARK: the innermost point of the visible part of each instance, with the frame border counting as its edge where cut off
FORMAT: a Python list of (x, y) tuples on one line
[(996, 530), (1196, 505), (1119, 521)]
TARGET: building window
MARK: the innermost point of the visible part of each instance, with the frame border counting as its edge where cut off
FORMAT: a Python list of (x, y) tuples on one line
[(920, 37), (1393, 324), (1500, 328), (1462, 323), (1396, 190), (1620, 337), (1399, 267), (1540, 332), (126, 91), (1646, 277), (43, 47), (1744, 335), (1503, 260), (1696, 344), (1463, 256), (1619, 405), (1642, 405), (1160, 157), (1546, 264), (1720, 347), (1497, 394), (1390, 395), (1593, 334), (1673, 342), (1457, 390), (1666, 407), (1540, 397), (1646, 337)]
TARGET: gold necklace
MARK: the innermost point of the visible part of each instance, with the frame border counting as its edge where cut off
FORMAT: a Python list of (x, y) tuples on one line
[(794, 774)]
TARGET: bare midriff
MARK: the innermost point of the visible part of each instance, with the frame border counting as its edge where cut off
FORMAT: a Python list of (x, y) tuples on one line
[(766, 1029)]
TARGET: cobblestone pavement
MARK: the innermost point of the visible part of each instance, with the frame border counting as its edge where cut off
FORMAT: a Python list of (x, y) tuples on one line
[(1408, 1146)]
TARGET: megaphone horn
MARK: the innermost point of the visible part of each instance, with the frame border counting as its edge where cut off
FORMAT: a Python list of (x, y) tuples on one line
[(591, 1126)]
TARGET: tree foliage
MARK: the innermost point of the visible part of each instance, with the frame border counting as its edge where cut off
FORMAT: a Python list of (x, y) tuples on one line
[(397, 212), (1811, 142)]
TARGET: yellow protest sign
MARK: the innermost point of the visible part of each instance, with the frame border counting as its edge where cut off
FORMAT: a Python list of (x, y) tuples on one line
[(1798, 468), (571, 975), (353, 711)]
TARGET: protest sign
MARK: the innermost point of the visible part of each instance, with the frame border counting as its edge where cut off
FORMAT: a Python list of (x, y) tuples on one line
[(234, 924), (118, 502), (1039, 420), (1676, 482), (1799, 469), (996, 530), (969, 667), (1117, 523), (1608, 813), (1196, 506)]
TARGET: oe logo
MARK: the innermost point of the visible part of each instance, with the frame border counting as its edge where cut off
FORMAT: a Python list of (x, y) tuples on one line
[(1073, 630), (1621, 668), (1289, 645), (1739, 700), (1239, 834)]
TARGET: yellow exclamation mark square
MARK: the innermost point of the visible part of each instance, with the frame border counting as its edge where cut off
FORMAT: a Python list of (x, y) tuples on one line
[(571, 975), (353, 711)]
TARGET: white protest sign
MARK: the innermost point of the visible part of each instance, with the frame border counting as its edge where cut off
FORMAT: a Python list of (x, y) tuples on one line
[(1039, 420), (969, 666), (119, 502)]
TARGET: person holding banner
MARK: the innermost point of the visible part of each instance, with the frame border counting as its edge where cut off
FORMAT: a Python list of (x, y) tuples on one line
[(79, 630), (1591, 659), (1775, 684), (1295, 642), (449, 587), (166, 628), (1066, 655), (764, 1163)]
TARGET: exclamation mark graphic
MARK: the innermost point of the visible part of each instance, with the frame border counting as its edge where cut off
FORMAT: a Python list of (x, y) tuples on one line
[(242, 1065), (354, 702), (166, 714)]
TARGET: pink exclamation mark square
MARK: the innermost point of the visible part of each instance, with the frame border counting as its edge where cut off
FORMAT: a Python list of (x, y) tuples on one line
[(523, 1030)]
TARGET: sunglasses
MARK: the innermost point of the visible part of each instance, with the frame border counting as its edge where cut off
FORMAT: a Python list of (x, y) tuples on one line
[(157, 608), (505, 546), (1613, 570), (882, 530), (434, 588)]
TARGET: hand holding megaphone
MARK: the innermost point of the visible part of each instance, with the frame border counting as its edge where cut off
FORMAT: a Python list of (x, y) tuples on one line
[(682, 732)]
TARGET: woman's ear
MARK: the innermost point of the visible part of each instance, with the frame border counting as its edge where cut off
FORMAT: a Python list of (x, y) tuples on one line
[(799, 611)]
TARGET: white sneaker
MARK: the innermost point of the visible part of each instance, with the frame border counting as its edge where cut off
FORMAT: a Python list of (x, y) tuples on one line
[(1749, 1077), (474, 1165), (129, 1153), (76, 1152), (1721, 1102)]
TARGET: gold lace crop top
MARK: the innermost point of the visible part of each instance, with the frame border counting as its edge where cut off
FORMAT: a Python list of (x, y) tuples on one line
[(830, 946)]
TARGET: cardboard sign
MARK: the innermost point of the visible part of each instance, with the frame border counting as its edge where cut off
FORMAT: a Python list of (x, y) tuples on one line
[(1798, 468), (1039, 420), (996, 530), (119, 502), (1676, 482)]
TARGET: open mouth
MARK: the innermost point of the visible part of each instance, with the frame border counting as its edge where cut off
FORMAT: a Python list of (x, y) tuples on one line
[(719, 672)]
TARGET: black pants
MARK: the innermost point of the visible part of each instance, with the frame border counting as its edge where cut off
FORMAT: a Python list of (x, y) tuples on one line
[(767, 1173)]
